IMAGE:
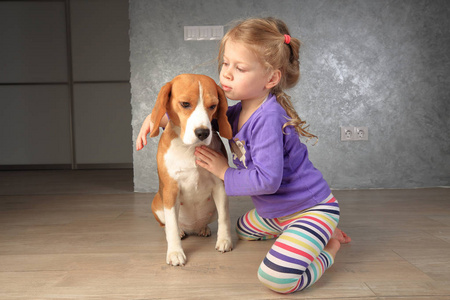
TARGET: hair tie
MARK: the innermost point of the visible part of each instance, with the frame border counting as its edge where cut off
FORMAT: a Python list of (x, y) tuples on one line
[(287, 39)]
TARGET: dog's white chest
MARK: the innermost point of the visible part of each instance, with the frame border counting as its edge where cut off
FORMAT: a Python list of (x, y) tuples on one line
[(181, 166), (197, 208)]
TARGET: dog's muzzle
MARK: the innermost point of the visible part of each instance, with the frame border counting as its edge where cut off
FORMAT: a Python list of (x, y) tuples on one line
[(202, 133)]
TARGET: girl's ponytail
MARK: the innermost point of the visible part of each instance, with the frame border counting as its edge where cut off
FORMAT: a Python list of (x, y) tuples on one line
[(290, 70)]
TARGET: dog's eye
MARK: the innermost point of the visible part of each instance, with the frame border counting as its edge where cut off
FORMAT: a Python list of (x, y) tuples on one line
[(185, 104), (212, 107)]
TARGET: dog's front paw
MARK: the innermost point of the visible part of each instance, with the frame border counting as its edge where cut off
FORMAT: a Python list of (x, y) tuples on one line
[(176, 258), (205, 231), (224, 245)]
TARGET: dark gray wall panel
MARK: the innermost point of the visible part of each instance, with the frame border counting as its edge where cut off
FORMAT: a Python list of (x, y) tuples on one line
[(102, 123), (100, 47), (33, 42), (34, 125)]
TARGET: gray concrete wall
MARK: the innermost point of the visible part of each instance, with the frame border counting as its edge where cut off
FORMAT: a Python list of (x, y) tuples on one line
[(382, 64)]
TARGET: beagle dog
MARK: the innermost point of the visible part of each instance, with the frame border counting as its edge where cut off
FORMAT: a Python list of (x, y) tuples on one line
[(190, 197)]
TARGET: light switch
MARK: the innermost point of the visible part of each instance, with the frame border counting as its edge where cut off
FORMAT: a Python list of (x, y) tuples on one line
[(203, 33), (217, 32), (191, 33)]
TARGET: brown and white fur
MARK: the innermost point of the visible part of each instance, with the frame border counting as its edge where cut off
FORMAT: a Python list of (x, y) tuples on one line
[(189, 197)]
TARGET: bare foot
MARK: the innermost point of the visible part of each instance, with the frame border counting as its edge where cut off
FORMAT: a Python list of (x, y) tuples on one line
[(341, 236), (333, 247)]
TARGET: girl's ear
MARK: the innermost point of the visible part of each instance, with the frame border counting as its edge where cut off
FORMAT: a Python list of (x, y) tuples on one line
[(274, 79)]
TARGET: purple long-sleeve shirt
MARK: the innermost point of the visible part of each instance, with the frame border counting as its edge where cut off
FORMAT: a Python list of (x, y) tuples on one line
[(273, 168)]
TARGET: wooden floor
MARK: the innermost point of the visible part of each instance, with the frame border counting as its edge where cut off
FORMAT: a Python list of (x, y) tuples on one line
[(86, 235)]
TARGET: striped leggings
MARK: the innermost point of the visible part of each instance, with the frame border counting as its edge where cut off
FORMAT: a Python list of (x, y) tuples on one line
[(297, 259)]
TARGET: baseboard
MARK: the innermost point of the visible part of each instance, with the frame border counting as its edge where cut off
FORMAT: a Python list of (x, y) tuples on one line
[(66, 167), (35, 167)]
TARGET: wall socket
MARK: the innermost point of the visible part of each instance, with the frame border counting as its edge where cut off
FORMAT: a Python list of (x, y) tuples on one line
[(354, 133)]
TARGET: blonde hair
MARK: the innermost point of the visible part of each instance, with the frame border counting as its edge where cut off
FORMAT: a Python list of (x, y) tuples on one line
[(266, 38)]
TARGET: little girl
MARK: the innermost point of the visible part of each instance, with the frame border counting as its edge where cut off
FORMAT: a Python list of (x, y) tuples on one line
[(258, 59)]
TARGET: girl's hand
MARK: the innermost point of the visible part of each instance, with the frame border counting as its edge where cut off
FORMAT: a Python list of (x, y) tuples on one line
[(146, 128), (141, 140), (212, 161)]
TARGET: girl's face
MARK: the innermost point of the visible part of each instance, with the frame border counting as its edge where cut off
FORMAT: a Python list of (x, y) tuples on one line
[(243, 77)]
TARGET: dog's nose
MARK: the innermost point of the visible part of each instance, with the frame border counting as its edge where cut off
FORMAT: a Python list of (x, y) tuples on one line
[(202, 133)]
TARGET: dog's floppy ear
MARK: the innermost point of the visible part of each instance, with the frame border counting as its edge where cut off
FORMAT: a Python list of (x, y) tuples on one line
[(221, 114), (159, 110)]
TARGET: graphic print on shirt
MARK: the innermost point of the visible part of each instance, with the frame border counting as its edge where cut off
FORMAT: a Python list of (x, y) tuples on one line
[(238, 149)]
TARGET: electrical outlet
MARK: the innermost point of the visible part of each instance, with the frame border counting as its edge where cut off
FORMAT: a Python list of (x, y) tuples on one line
[(347, 133), (352, 133), (361, 133)]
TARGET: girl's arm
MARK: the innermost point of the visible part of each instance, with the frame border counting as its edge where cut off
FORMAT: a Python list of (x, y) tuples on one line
[(265, 174), (147, 126)]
